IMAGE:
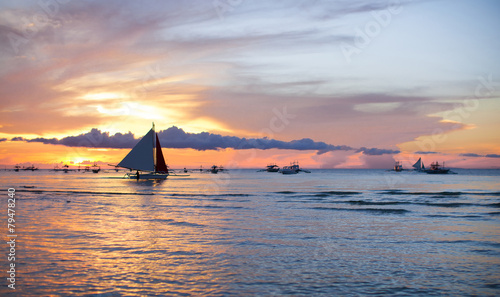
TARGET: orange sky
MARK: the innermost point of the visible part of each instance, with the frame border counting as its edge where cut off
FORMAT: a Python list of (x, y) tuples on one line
[(257, 72)]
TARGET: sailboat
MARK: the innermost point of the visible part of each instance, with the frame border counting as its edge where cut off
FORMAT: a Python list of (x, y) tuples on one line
[(419, 165), (146, 158)]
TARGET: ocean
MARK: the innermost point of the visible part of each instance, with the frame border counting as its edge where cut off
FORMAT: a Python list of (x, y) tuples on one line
[(249, 233)]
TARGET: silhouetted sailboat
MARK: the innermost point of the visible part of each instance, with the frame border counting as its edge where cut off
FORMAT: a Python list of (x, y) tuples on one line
[(419, 165), (146, 158)]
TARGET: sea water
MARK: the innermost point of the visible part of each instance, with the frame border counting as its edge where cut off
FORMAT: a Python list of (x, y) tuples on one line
[(244, 233)]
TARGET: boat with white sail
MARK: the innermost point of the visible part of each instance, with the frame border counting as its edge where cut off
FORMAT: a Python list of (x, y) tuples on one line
[(146, 158), (419, 165)]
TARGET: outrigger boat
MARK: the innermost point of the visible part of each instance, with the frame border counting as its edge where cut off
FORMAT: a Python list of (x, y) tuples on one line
[(271, 168), (398, 167), (437, 169), (95, 168), (146, 158), (32, 168), (214, 169), (293, 169)]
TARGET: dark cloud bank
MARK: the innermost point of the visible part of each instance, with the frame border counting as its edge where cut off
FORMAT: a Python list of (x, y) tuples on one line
[(175, 137), (473, 155)]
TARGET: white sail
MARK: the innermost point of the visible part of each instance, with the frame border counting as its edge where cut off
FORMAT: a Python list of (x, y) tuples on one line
[(419, 165), (141, 157)]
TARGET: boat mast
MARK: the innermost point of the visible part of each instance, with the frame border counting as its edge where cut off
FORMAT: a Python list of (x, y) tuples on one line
[(154, 147)]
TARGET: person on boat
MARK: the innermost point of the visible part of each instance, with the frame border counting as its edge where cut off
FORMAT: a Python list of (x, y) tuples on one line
[(137, 173)]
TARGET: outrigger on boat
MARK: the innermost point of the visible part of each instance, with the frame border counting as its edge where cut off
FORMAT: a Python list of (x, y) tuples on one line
[(146, 158)]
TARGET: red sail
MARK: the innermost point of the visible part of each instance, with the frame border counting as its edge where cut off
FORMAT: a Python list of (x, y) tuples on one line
[(160, 161)]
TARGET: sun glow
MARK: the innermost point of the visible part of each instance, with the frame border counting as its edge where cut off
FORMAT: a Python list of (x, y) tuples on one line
[(104, 96), (206, 124)]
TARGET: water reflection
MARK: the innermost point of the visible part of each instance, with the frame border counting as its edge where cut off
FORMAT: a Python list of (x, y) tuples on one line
[(254, 235)]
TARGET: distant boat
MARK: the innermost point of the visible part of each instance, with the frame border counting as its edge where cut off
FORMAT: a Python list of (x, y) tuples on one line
[(185, 170), (419, 165), (214, 169), (95, 168), (271, 168), (65, 168), (146, 158), (16, 168), (437, 169), (289, 170), (398, 167), (32, 168), (293, 169)]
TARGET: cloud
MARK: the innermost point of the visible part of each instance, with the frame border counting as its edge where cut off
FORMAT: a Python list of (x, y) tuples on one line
[(175, 137), (377, 152), (473, 155), (425, 153), (3, 139)]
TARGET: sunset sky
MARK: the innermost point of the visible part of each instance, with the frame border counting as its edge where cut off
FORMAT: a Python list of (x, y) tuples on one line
[(333, 84)]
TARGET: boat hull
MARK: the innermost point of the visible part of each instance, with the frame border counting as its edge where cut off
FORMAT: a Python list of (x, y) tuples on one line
[(148, 176), (438, 171)]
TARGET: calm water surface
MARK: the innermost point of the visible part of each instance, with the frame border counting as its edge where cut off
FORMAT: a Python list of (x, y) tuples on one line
[(330, 233)]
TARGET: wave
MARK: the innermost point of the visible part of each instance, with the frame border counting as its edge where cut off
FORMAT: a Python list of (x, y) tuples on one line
[(320, 194), (83, 192), (452, 205), (365, 202), (362, 202), (371, 210), (176, 223), (208, 195), (437, 194)]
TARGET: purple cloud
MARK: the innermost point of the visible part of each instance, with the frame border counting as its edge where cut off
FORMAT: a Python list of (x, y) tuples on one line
[(175, 137), (473, 155)]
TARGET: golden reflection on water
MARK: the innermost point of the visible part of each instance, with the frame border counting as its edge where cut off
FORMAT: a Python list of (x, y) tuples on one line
[(137, 242)]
